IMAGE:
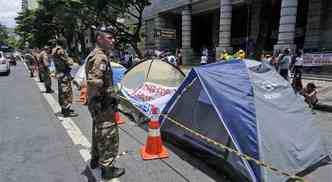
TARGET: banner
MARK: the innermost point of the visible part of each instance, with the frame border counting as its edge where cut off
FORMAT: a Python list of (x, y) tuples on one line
[(148, 95), (317, 59)]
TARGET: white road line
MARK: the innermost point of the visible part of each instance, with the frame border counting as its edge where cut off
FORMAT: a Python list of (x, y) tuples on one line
[(73, 131)]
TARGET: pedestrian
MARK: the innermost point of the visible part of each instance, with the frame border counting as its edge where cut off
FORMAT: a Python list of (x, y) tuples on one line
[(102, 105), (310, 95), (31, 63), (178, 57), (284, 61), (297, 69), (171, 58), (44, 64), (204, 59), (127, 60), (63, 63), (35, 53)]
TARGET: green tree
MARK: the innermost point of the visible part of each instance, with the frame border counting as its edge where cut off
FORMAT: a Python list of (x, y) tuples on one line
[(24, 21), (71, 18), (3, 34), (109, 12)]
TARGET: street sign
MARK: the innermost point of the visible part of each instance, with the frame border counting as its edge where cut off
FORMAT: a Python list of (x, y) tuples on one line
[(165, 33)]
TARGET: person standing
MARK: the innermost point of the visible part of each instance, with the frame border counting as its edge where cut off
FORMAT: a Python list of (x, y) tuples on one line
[(102, 105), (297, 68), (284, 61), (178, 57), (63, 63), (44, 64), (35, 54), (31, 63)]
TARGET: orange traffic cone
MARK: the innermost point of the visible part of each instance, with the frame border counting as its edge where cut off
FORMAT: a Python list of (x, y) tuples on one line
[(154, 148), (118, 118), (84, 94)]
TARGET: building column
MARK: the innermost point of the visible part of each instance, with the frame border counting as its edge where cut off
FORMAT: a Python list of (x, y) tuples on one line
[(187, 51), (287, 25), (159, 23), (312, 35), (256, 8), (225, 26)]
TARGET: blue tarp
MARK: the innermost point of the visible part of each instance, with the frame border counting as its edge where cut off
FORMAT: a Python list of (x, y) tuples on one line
[(118, 74), (229, 90), (252, 106)]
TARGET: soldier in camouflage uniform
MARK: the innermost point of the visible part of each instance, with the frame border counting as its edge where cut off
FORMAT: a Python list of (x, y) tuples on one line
[(102, 104), (63, 63), (31, 63), (35, 54), (44, 63)]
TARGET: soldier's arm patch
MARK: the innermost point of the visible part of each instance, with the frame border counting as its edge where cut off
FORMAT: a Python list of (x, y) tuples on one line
[(102, 67)]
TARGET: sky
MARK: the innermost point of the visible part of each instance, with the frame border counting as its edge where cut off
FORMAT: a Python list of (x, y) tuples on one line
[(8, 11)]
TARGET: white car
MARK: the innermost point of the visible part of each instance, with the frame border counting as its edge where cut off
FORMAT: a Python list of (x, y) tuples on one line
[(4, 64)]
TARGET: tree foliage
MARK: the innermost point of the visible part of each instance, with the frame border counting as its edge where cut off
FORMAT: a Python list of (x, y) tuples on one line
[(3, 34), (71, 18)]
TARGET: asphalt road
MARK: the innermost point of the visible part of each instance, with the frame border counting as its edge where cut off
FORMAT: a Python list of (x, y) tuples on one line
[(37, 145), (33, 145)]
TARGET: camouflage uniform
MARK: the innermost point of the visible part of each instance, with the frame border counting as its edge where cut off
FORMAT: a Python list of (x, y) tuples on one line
[(45, 72), (38, 66), (62, 65), (102, 106), (31, 63)]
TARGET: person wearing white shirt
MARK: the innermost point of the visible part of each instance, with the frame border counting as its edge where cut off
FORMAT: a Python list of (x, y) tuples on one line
[(297, 77), (204, 59)]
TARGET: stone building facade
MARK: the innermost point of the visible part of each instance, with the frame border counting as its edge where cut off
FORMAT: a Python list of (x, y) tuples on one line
[(232, 24)]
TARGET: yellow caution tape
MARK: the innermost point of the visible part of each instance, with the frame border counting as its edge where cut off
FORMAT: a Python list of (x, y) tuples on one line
[(237, 153)]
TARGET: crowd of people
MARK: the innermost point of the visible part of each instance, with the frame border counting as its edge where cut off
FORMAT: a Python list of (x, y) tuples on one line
[(285, 63)]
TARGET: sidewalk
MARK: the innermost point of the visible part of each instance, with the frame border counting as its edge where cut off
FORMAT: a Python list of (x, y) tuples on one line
[(324, 94), (179, 167)]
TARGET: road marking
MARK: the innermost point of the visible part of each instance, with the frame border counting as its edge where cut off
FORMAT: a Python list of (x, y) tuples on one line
[(73, 131)]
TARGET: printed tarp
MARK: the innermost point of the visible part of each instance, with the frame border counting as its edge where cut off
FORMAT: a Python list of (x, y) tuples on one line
[(148, 95), (152, 82)]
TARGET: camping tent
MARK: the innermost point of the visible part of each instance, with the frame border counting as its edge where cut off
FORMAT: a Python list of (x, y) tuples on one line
[(151, 82), (117, 70), (247, 106)]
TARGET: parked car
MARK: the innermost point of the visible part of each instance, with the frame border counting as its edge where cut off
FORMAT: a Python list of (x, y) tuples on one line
[(4, 64), (10, 56)]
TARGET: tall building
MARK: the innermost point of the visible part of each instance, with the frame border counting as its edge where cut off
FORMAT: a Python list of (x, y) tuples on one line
[(29, 4), (231, 24), (24, 4)]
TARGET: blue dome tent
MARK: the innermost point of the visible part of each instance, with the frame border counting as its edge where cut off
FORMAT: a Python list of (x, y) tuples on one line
[(247, 106)]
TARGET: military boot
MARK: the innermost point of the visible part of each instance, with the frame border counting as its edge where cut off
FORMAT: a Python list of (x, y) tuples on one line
[(49, 90), (108, 173), (63, 110), (66, 113)]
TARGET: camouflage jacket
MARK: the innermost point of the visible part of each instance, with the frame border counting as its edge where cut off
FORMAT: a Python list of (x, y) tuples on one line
[(99, 74), (43, 59), (62, 61), (30, 59)]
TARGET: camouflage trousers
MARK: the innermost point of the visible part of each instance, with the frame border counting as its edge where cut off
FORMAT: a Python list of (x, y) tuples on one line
[(44, 75), (31, 68), (105, 133), (65, 92)]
